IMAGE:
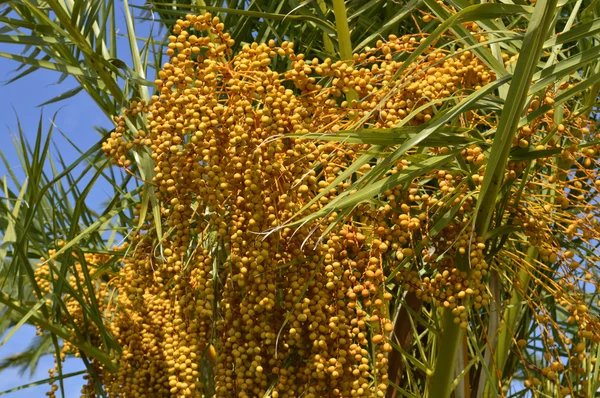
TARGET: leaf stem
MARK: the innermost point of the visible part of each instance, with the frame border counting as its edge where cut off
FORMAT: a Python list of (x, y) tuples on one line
[(327, 43), (343, 33), (441, 381)]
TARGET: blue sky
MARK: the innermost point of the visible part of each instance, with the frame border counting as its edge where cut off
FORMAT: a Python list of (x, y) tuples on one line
[(76, 117), (12, 378)]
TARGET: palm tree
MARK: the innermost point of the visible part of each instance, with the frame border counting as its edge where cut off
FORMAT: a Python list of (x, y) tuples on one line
[(492, 293)]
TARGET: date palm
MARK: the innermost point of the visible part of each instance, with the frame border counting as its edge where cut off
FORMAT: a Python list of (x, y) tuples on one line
[(534, 190)]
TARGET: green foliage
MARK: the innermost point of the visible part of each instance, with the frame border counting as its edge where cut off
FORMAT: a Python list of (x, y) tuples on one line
[(556, 43)]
